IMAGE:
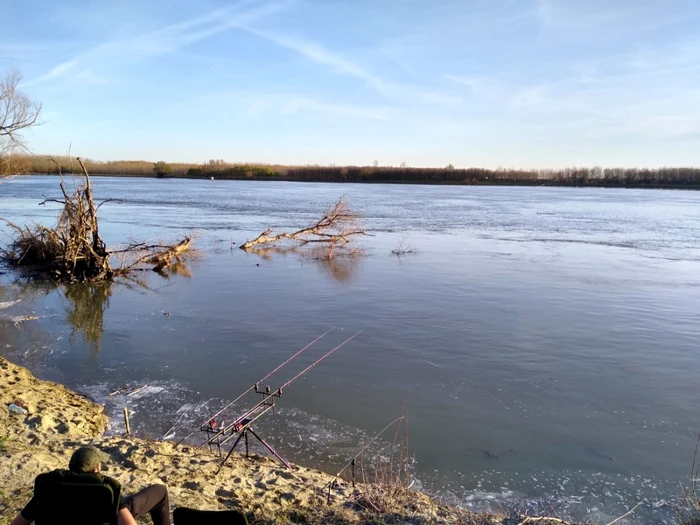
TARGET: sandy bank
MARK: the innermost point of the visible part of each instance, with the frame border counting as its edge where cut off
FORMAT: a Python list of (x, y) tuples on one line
[(60, 420)]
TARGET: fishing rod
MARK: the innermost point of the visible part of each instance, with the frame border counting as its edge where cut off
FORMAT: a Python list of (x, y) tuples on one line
[(319, 361), (242, 426), (255, 385), (352, 461), (263, 406)]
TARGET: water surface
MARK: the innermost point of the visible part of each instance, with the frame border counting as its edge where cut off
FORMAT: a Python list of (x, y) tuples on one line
[(543, 340)]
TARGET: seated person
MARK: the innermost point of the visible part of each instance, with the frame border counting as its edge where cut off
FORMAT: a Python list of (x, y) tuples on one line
[(88, 461)]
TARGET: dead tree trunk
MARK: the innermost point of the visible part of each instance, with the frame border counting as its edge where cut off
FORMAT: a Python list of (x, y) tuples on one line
[(166, 257)]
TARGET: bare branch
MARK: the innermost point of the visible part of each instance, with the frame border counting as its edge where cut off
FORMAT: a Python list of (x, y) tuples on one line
[(17, 113), (338, 226)]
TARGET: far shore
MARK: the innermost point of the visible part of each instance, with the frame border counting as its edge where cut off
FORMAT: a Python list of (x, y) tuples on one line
[(671, 177), (467, 182)]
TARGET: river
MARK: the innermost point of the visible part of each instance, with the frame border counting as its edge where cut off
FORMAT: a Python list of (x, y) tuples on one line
[(543, 341)]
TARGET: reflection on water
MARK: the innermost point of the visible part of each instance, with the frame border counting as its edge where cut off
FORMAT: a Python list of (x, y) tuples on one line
[(341, 267), (180, 268), (87, 303), (84, 306)]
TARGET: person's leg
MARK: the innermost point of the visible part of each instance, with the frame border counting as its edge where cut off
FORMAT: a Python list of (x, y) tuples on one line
[(152, 499)]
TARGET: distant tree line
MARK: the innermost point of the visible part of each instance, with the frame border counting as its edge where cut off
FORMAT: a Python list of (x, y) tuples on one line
[(218, 169), (127, 168)]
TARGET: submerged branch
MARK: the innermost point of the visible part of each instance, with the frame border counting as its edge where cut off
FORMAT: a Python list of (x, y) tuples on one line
[(338, 226)]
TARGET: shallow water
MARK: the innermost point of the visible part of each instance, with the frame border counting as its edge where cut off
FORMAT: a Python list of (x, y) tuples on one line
[(543, 340)]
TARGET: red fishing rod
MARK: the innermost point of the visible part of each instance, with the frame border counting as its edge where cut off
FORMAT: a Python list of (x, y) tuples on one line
[(242, 425), (317, 362), (206, 421), (252, 414)]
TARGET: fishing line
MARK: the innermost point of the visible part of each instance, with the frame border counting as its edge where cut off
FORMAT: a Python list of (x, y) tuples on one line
[(278, 392), (252, 387), (367, 446)]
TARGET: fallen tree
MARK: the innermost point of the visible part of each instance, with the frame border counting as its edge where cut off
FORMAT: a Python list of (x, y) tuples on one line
[(74, 251), (339, 226)]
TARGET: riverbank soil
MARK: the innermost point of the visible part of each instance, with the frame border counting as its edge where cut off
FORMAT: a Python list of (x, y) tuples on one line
[(59, 421)]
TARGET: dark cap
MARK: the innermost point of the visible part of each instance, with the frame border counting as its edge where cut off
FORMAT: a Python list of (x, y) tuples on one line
[(87, 458)]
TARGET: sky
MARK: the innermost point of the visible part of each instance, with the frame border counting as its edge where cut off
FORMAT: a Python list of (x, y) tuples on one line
[(491, 83)]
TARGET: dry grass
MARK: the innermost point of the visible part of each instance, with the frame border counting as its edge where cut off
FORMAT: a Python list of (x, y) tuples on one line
[(387, 479), (689, 504)]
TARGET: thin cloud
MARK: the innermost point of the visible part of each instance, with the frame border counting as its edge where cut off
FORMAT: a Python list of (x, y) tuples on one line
[(58, 71), (543, 10), (347, 67), (302, 104), (23, 51), (288, 103), (320, 55), (165, 40), (466, 81)]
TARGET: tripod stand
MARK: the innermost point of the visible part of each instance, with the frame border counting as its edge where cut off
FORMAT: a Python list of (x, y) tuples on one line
[(220, 434), (247, 429)]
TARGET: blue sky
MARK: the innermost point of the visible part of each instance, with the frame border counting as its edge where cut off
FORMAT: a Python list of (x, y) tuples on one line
[(524, 83)]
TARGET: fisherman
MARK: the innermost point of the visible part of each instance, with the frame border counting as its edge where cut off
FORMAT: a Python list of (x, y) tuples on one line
[(84, 467)]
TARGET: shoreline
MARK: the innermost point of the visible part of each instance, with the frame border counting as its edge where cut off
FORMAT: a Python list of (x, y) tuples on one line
[(479, 183), (60, 420)]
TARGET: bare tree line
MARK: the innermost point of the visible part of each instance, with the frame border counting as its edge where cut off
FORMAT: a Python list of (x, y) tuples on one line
[(576, 176)]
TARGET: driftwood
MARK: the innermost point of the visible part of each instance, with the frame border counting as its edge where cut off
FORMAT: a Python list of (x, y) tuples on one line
[(158, 256), (74, 251), (71, 251), (338, 227), (165, 258)]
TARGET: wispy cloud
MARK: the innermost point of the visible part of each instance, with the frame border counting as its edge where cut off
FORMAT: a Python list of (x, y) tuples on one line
[(306, 104), (23, 51), (319, 54), (345, 66), (165, 40), (475, 84), (58, 71), (465, 81), (285, 103), (543, 10)]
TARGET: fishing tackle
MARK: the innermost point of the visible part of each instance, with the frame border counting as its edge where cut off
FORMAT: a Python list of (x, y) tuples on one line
[(351, 463), (241, 427), (299, 352)]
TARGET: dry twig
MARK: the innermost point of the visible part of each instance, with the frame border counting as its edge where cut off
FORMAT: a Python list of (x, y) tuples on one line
[(625, 514), (404, 248), (339, 226)]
